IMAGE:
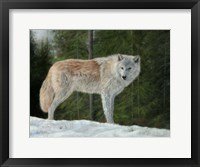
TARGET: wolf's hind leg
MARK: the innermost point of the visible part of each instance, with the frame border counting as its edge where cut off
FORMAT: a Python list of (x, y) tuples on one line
[(108, 107), (61, 96)]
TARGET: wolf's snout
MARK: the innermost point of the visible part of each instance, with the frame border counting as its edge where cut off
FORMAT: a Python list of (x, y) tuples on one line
[(124, 77)]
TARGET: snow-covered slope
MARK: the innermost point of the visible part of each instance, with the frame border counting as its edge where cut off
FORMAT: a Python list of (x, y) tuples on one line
[(84, 128)]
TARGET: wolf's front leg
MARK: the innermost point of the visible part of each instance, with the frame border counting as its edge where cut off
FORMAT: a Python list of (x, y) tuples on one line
[(108, 107)]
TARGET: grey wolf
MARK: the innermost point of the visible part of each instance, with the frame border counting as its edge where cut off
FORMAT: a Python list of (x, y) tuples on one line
[(107, 76)]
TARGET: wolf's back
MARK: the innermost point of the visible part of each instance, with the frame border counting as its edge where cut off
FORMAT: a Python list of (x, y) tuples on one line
[(46, 94)]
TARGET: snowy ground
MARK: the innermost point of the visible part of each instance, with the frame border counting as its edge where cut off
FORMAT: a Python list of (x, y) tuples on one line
[(84, 128)]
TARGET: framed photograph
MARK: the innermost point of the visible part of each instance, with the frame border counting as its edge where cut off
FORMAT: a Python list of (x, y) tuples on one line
[(99, 83), (104, 76)]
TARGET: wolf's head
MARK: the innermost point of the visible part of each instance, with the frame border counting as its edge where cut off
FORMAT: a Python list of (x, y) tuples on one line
[(128, 67)]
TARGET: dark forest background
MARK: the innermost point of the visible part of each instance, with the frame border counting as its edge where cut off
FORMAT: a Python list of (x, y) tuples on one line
[(145, 102)]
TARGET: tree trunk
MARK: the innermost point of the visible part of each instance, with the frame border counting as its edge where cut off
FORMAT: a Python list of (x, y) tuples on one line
[(90, 56)]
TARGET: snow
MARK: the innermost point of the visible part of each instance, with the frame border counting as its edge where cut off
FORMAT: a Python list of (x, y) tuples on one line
[(85, 128)]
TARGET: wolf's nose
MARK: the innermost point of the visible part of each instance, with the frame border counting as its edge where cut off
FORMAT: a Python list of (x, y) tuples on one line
[(124, 77)]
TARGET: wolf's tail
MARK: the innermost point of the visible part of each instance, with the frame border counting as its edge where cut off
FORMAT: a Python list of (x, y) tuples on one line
[(46, 94)]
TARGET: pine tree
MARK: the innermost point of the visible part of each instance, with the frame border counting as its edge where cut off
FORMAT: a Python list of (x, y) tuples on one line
[(39, 65)]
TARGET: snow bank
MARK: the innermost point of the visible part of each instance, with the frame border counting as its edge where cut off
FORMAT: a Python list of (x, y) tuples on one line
[(85, 128)]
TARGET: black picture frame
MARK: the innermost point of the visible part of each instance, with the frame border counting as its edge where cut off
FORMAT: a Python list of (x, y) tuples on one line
[(5, 5)]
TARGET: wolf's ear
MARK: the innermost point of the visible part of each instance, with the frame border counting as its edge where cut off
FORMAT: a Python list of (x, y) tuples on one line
[(120, 57), (136, 59)]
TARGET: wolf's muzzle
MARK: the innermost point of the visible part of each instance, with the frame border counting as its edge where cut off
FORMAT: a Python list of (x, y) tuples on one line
[(124, 77)]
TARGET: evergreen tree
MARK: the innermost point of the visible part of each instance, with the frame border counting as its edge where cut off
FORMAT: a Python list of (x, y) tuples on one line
[(39, 66)]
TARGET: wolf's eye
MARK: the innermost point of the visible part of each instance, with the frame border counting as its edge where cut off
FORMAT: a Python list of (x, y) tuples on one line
[(129, 68), (122, 68)]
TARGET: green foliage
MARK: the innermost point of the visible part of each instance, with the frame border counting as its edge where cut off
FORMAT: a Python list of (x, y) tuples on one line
[(39, 66), (145, 102), (70, 44)]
